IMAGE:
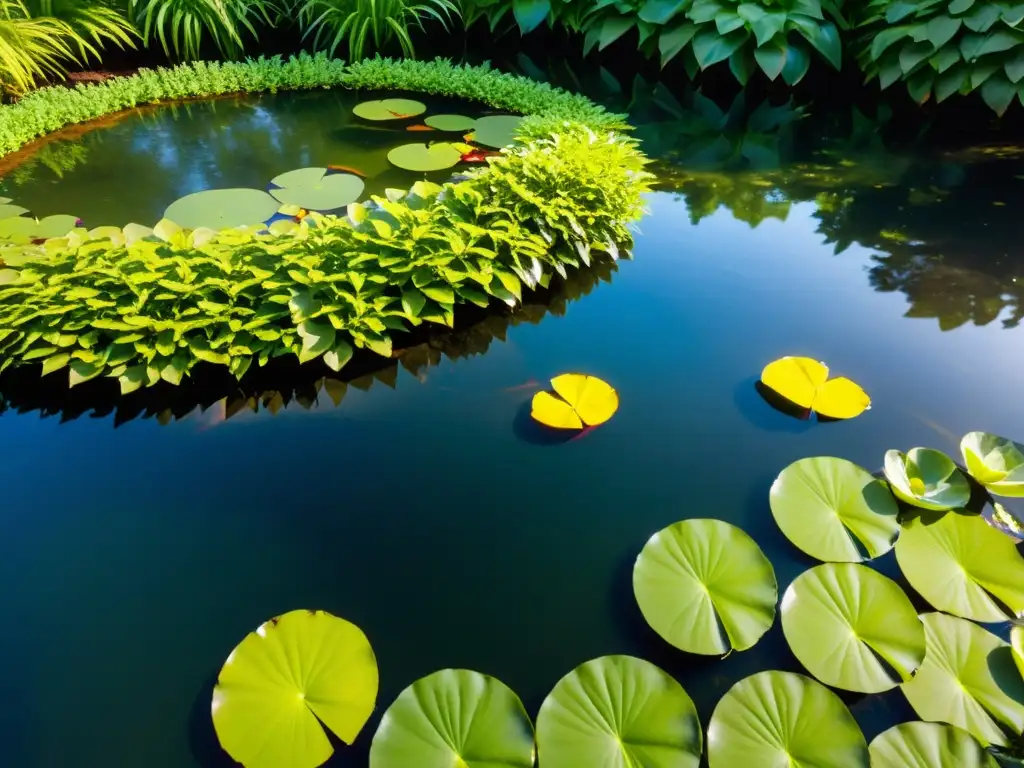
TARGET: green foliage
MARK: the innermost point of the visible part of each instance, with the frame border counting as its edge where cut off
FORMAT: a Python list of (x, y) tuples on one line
[(181, 26), (369, 24), (941, 47), (93, 23)]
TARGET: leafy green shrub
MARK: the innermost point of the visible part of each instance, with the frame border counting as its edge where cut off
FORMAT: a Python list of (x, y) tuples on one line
[(181, 25), (142, 305), (942, 47), (362, 24)]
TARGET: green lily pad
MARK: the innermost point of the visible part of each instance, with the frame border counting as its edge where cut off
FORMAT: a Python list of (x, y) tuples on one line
[(451, 122), (784, 719), (21, 229), (928, 745), (56, 226), (496, 130), (618, 712), (294, 673), (958, 563), (1017, 642), (317, 190), (705, 587), (842, 620), (995, 462), (222, 208), (389, 109), (825, 506), (420, 157), (454, 717), (968, 679), (8, 211), (926, 478)]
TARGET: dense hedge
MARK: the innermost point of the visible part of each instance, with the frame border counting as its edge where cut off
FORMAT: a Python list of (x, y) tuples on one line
[(144, 305)]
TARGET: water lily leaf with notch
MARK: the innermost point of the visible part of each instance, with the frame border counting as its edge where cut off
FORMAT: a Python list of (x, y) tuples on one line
[(618, 712), (968, 679), (842, 621), (451, 122), (496, 130), (805, 382), (221, 208), (284, 680), (454, 717), (423, 157), (389, 109), (585, 400), (8, 211), (928, 745), (317, 190), (995, 462), (705, 587), (926, 478), (782, 718), (826, 506), (962, 565)]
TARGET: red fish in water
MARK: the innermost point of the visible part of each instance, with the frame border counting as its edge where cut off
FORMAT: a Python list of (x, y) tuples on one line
[(478, 156), (419, 127), (346, 169)]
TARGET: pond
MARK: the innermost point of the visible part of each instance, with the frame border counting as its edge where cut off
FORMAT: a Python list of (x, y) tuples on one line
[(140, 540)]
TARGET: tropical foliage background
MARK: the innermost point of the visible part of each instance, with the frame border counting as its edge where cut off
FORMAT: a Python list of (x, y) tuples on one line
[(932, 48)]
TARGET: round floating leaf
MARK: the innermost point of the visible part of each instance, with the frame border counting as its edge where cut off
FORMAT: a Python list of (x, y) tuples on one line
[(317, 190), (968, 679), (926, 478), (959, 563), (454, 717), (496, 130), (389, 109), (705, 587), (283, 680), (784, 719), (18, 229), (421, 157), (9, 211), (928, 745), (618, 712), (450, 122), (995, 462), (849, 626), (222, 208), (805, 382), (585, 400), (56, 226), (825, 506)]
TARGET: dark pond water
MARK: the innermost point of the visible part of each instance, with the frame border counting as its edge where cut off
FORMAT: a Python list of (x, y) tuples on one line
[(137, 548)]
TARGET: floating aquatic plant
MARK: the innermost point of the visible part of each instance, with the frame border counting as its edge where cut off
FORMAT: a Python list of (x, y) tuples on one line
[(222, 209), (926, 478), (582, 401), (928, 745), (995, 462), (389, 109), (316, 189), (806, 383)]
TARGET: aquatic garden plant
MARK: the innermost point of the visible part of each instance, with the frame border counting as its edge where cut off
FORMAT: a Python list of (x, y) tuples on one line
[(806, 383)]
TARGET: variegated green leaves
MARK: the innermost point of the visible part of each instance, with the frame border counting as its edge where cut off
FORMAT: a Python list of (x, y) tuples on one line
[(947, 47)]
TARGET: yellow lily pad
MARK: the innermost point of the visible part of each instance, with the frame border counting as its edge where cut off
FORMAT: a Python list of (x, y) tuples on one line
[(805, 382), (285, 682), (585, 401)]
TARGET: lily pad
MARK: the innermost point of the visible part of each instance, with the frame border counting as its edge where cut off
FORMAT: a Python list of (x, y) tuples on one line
[(618, 712), (56, 226), (21, 229), (928, 745), (784, 719), (389, 109), (450, 122), (852, 628), (585, 400), (496, 130), (1017, 642), (926, 478), (959, 563), (705, 587), (222, 208), (995, 462), (9, 211), (805, 383), (317, 190), (826, 506), (294, 673), (423, 157), (454, 717), (968, 680)]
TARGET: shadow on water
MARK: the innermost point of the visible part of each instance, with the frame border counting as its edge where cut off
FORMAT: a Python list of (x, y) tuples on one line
[(750, 397)]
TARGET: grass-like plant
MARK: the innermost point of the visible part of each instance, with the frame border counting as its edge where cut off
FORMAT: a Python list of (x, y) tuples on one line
[(181, 26)]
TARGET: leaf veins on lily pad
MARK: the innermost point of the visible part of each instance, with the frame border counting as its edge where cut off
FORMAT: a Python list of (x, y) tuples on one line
[(582, 401), (805, 383)]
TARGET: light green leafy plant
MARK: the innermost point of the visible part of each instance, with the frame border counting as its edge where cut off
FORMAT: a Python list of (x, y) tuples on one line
[(942, 47), (181, 26), (94, 23)]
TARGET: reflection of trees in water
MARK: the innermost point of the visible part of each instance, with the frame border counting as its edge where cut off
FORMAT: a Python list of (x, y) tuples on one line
[(283, 382)]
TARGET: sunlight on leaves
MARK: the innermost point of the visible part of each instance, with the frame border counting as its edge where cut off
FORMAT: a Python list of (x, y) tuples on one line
[(583, 401), (805, 382)]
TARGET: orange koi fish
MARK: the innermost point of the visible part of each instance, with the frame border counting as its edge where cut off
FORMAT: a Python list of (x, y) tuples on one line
[(346, 169), (419, 127)]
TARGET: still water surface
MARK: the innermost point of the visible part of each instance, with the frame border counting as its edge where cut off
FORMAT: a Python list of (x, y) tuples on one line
[(134, 558)]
